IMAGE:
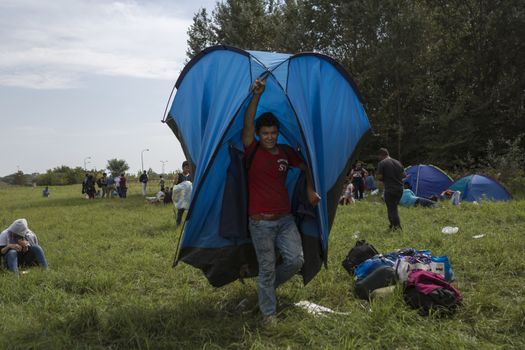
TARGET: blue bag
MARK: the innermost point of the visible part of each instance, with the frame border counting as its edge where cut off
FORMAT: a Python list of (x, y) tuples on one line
[(368, 266)]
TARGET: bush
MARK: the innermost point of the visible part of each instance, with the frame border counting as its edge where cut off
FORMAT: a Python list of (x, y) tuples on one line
[(62, 175)]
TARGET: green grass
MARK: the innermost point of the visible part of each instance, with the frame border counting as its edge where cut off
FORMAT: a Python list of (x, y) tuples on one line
[(111, 284)]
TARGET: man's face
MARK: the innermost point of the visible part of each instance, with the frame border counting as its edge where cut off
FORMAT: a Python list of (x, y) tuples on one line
[(268, 136), (186, 169)]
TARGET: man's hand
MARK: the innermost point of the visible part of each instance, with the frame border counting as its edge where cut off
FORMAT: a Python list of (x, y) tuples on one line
[(258, 87), (313, 197), (24, 244), (15, 247)]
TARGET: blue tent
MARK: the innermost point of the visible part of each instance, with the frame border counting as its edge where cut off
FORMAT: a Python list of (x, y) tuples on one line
[(427, 180), (479, 187), (321, 116)]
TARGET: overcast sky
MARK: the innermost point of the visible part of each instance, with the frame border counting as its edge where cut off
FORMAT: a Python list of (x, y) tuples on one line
[(90, 78)]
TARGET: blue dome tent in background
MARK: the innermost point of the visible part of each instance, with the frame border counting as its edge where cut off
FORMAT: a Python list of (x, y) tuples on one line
[(480, 187), (427, 180), (321, 115)]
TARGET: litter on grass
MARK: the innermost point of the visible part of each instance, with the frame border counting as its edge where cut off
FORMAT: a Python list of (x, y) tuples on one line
[(478, 236), (315, 309), (449, 230)]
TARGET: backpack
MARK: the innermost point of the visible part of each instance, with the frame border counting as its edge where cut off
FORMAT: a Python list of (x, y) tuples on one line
[(428, 291), (361, 252)]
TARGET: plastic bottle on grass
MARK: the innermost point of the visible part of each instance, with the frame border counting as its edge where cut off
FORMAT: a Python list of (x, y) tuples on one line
[(449, 230)]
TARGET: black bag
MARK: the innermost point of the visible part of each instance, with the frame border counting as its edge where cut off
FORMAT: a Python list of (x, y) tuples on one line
[(358, 254), (383, 276), (428, 291), (442, 301)]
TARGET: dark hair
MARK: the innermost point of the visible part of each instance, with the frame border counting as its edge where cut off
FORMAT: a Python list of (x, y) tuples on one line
[(185, 163), (383, 152), (266, 119)]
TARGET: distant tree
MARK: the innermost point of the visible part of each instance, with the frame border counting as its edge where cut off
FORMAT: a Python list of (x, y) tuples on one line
[(117, 166), (19, 178), (61, 175), (248, 24), (200, 34)]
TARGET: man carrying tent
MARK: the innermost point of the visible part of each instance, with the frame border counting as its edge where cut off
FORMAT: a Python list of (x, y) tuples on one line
[(271, 224), (391, 173)]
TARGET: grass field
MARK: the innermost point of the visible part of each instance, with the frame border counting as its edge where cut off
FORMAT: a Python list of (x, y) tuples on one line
[(111, 284)]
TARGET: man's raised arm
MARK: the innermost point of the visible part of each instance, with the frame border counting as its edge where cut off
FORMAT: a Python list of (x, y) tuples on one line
[(249, 115)]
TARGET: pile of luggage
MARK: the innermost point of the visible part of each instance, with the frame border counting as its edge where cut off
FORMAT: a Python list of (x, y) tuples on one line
[(425, 278)]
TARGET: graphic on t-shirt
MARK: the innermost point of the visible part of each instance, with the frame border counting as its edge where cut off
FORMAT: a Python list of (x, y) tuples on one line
[(283, 164)]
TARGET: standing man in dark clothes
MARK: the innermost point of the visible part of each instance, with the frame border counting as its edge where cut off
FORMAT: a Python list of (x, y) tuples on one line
[(144, 182), (391, 173), (184, 176), (123, 187)]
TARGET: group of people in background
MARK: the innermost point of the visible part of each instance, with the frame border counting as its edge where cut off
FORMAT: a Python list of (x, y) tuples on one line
[(111, 187), (108, 186)]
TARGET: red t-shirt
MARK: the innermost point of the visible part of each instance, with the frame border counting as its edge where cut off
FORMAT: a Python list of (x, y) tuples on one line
[(267, 192)]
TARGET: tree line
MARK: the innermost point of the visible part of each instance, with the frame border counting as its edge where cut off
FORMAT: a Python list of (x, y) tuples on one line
[(64, 175), (443, 81)]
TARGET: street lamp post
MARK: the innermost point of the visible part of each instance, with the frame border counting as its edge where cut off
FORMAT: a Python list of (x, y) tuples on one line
[(142, 157), (85, 167), (163, 162)]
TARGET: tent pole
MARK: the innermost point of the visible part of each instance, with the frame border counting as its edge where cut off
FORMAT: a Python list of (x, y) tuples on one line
[(417, 179)]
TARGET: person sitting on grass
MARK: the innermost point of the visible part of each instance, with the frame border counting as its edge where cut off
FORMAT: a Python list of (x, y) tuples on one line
[(19, 247), (409, 199), (159, 198), (45, 192)]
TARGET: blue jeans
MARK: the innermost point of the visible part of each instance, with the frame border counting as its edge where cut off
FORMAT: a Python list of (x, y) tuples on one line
[(35, 255), (269, 239)]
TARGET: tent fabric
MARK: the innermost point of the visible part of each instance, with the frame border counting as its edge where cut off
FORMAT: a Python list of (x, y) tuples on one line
[(480, 187), (321, 115), (427, 180)]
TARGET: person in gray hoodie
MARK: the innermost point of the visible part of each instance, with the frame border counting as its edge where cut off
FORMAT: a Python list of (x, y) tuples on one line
[(19, 247)]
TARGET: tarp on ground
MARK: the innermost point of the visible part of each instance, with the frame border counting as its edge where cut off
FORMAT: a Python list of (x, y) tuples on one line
[(427, 180), (480, 187), (321, 115)]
